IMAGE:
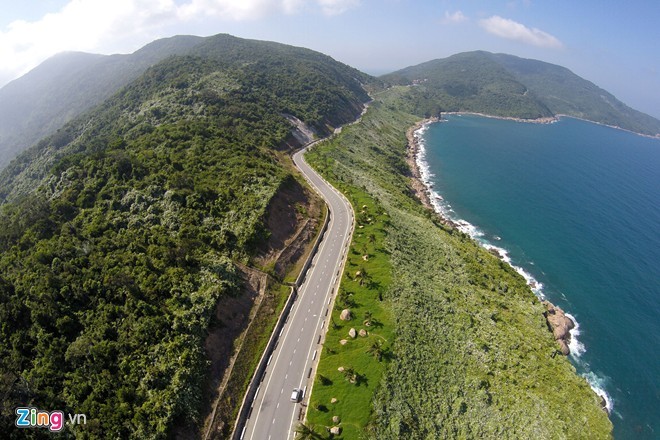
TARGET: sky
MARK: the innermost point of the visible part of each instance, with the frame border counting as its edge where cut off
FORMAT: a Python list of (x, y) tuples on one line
[(614, 44)]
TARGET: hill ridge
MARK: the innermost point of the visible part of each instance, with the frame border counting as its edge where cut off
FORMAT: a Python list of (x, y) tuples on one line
[(510, 86)]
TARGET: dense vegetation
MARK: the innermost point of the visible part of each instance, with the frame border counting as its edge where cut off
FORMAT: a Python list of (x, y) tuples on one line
[(121, 231), (504, 85), (61, 88), (471, 355)]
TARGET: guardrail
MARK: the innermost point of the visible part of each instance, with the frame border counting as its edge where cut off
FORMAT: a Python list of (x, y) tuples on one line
[(245, 411)]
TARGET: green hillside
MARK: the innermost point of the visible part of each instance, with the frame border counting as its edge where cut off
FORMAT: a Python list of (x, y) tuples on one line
[(458, 346), (62, 87), (505, 85), (122, 231)]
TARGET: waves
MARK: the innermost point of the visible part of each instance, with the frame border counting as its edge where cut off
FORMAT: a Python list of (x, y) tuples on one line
[(444, 208)]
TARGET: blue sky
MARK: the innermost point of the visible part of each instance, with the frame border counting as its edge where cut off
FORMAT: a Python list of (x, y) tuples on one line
[(613, 44)]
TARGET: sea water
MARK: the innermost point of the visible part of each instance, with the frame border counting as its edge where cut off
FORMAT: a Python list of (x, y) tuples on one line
[(575, 208)]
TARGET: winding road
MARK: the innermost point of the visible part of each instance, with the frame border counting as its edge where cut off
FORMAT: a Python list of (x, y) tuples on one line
[(273, 415)]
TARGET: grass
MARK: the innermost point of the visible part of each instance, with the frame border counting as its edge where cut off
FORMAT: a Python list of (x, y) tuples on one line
[(362, 290), (469, 352)]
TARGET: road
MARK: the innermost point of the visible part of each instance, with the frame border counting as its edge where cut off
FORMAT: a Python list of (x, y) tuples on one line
[(273, 415)]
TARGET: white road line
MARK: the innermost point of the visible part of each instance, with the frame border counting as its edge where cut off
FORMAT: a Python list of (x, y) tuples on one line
[(309, 276)]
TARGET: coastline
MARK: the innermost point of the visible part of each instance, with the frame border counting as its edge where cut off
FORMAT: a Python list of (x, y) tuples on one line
[(552, 120), (563, 326), (412, 152), (544, 120)]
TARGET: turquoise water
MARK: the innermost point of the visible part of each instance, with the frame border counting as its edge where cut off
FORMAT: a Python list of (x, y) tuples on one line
[(576, 207)]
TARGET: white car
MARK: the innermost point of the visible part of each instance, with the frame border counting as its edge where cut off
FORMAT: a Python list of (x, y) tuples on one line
[(295, 395)]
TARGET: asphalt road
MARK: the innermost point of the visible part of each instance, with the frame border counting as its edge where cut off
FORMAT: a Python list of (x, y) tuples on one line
[(292, 365)]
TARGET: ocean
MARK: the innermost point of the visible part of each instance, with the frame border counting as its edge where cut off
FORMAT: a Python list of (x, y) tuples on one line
[(575, 208)]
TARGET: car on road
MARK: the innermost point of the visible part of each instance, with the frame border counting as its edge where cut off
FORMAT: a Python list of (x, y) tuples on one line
[(295, 395)]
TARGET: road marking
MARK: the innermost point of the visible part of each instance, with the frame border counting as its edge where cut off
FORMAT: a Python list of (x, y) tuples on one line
[(314, 357), (343, 210)]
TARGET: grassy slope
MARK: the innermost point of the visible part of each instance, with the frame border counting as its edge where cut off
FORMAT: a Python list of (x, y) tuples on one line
[(472, 356)]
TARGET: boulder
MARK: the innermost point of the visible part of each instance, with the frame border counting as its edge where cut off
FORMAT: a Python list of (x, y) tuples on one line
[(560, 325), (603, 404), (352, 333), (343, 342), (363, 333), (335, 430), (335, 420), (333, 400), (345, 315), (340, 369)]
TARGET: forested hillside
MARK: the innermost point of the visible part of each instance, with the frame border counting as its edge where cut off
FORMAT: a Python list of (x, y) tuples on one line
[(505, 85), (62, 87), (120, 232)]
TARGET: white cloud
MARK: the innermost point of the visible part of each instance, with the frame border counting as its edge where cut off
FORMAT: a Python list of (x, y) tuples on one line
[(93, 25), (456, 17), (335, 7), (81, 25), (230, 9), (512, 30)]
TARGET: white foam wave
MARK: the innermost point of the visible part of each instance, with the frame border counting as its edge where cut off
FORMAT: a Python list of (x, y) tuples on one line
[(577, 348), (597, 384), (443, 208)]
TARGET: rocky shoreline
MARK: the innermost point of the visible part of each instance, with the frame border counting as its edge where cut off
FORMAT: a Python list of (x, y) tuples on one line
[(411, 158), (559, 324)]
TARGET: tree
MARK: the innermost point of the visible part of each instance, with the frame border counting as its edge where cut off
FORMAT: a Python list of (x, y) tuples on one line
[(368, 317), (361, 276), (376, 350), (344, 298), (307, 432)]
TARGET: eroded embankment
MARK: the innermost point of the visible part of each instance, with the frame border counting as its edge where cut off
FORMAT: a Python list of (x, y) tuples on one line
[(242, 323)]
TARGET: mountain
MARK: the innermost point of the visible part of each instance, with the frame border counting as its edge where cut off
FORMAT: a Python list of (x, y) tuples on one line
[(62, 87), (505, 85), (125, 229)]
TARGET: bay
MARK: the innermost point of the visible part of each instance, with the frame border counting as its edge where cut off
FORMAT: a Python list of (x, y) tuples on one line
[(575, 206)]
